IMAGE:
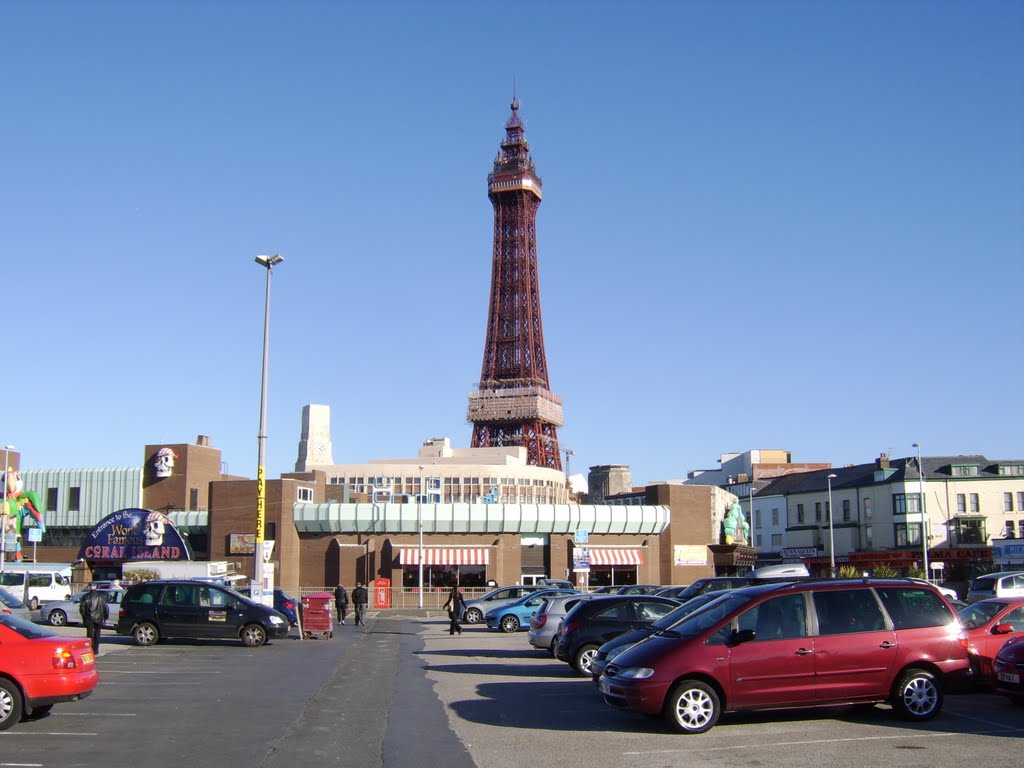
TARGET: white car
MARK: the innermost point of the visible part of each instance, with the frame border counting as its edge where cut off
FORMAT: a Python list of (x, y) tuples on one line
[(12, 605), (950, 593), (66, 611)]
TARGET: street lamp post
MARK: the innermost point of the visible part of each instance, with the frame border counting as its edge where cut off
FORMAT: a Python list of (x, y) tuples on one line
[(3, 509), (419, 525), (831, 530), (268, 263), (924, 515)]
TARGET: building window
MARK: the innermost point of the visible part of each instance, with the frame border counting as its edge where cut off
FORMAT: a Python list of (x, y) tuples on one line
[(305, 494), (961, 503), (51, 499), (1020, 529), (757, 519), (969, 531), (1007, 502), (1011, 530), (777, 540), (799, 513), (965, 470), (817, 511), (775, 516), (846, 510), (1020, 501), (1011, 469), (74, 498), (193, 499), (975, 506), (757, 540), (906, 503), (907, 534)]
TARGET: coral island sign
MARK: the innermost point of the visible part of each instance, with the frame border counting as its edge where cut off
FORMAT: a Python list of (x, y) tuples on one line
[(135, 534)]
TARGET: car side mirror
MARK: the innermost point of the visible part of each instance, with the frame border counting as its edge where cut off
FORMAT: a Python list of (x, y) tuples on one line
[(1002, 629), (742, 636)]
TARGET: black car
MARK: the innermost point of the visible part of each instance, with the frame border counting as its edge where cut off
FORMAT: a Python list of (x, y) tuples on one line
[(591, 623), (154, 610), (616, 645), (713, 584), (288, 605)]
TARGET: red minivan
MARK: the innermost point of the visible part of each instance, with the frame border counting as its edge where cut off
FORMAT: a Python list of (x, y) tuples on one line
[(797, 644)]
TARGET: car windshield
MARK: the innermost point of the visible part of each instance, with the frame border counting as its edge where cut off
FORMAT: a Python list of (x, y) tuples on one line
[(701, 621), (25, 628), (979, 613), (698, 603)]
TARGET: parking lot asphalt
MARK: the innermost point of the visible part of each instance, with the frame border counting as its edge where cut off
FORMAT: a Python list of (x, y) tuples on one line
[(403, 692)]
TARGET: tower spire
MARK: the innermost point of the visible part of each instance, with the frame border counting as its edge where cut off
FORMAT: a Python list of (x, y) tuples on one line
[(513, 405)]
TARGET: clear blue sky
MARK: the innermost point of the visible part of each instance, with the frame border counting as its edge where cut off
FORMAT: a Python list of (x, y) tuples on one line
[(790, 225)]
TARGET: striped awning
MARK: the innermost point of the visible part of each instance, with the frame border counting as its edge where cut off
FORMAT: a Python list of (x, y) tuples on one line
[(616, 556), (445, 556)]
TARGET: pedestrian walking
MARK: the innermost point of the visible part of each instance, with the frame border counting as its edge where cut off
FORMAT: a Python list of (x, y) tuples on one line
[(341, 602), (94, 609), (360, 597), (455, 604)]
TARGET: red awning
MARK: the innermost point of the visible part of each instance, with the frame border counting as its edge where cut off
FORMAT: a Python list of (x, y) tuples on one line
[(616, 556), (445, 556)]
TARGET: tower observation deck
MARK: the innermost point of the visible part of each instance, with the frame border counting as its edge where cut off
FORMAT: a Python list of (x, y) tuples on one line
[(513, 404)]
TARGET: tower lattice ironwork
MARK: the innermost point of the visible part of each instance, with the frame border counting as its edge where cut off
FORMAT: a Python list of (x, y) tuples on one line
[(513, 404)]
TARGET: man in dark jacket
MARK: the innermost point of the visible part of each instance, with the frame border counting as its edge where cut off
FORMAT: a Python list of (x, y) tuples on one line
[(360, 598), (94, 609), (341, 602)]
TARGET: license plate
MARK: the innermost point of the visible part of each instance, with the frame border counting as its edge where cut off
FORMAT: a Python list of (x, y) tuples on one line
[(87, 658), (1009, 677)]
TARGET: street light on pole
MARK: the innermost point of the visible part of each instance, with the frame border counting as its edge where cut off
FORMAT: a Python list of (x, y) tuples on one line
[(268, 263), (3, 510), (924, 515), (831, 530), (419, 525)]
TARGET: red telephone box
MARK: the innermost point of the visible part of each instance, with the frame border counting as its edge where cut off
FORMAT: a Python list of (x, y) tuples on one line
[(382, 593)]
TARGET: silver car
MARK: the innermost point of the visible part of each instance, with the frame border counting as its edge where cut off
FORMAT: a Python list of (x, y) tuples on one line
[(63, 612), (547, 619), (479, 607), (13, 605)]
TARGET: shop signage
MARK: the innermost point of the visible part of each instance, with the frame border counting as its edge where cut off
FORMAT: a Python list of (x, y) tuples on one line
[(134, 534)]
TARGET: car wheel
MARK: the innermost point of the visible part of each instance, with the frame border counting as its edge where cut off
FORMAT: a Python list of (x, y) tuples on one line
[(474, 616), (584, 661), (253, 635), (552, 647), (918, 695), (509, 623), (692, 707), (57, 618), (33, 603), (145, 634), (10, 704)]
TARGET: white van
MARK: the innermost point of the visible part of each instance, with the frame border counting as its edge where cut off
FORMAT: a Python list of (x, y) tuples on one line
[(780, 571), (44, 584)]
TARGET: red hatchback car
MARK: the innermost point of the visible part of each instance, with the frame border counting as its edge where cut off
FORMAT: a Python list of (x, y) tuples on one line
[(39, 668), (797, 644), (989, 624)]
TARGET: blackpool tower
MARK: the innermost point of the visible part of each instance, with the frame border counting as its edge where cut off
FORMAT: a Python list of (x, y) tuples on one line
[(513, 404)]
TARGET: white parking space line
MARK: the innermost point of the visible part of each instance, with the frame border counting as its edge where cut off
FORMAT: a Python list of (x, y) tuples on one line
[(93, 714), (45, 733), (161, 672), (764, 745), (21, 765)]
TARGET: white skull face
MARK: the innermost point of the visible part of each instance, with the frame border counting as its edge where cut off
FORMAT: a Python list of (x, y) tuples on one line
[(154, 529), (163, 463)]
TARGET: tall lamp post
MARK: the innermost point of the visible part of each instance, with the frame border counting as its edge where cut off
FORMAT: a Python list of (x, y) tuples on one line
[(924, 515), (419, 526), (268, 263), (3, 509), (831, 530)]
